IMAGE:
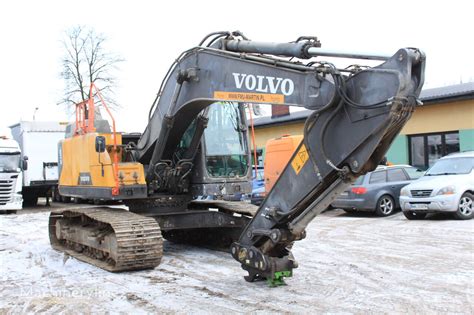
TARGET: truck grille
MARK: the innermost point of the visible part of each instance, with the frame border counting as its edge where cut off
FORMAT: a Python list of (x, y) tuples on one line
[(6, 187), (421, 193)]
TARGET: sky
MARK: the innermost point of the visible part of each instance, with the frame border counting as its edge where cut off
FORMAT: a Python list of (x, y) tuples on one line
[(149, 35)]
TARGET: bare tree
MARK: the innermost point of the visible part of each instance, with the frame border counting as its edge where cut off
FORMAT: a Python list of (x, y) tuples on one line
[(85, 61)]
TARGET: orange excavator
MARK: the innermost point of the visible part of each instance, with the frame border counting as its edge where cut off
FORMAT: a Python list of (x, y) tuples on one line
[(278, 152)]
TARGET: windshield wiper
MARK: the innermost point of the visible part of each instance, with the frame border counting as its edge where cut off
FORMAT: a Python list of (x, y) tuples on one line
[(446, 173)]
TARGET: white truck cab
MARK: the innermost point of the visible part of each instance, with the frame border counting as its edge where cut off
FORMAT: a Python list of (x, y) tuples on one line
[(38, 141), (10, 175)]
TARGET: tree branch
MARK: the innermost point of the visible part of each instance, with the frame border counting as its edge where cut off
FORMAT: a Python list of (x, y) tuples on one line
[(85, 61)]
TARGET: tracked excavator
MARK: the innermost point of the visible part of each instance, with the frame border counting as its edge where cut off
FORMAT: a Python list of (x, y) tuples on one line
[(196, 144)]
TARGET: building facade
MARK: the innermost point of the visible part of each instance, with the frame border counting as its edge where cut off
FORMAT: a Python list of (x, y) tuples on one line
[(443, 124)]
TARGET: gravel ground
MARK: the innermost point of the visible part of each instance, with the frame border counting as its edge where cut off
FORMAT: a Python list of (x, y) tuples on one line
[(348, 264)]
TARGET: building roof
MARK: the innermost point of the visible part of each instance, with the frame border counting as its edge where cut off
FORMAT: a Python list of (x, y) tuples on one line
[(458, 91), (268, 120), (429, 96)]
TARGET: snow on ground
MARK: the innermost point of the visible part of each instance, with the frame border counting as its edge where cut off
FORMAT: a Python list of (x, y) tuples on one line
[(348, 264)]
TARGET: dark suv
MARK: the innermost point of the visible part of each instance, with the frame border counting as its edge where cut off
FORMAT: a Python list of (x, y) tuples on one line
[(377, 191)]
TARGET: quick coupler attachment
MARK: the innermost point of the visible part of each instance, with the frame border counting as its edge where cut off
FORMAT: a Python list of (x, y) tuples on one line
[(263, 267), (278, 278)]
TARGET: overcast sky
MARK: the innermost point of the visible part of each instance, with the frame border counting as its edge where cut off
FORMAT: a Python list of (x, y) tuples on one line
[(149, 35)]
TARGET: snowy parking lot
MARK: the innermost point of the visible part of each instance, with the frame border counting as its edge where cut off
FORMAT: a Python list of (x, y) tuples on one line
[(348, 264)]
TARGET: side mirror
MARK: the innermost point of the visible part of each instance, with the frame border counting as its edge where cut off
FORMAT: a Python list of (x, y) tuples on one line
[(24, 163), (100, 144)]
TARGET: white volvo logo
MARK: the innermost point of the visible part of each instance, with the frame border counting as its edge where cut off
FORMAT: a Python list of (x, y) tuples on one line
[(264, 84)]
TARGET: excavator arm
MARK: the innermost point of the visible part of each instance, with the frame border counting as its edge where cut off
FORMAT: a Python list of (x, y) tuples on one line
[(342, 140)]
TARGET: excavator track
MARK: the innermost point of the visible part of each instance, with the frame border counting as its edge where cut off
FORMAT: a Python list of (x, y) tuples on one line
[(112, 239)]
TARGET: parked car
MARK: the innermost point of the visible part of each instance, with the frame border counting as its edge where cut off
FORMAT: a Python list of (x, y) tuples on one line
[(257, 196), (258, 186), (377, 191), (448, 186)]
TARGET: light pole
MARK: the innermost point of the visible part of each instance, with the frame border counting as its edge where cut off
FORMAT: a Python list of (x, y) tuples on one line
[(34, 113)]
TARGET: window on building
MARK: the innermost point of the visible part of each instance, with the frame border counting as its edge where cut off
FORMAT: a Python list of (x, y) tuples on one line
[(417, 151), (452, 142), (426, 149), (435, 148)]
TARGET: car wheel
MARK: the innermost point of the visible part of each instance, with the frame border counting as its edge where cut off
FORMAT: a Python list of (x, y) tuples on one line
[(413, 215), (466, 207), (385, 206)]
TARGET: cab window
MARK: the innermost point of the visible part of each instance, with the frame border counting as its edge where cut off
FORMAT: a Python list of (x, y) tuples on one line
[(225, 141), (396, 175)]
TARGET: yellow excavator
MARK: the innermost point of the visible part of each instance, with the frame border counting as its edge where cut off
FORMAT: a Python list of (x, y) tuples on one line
[(196, 144)]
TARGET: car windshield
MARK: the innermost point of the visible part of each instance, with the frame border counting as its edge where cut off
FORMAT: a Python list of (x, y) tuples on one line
[(9, 162), (452, 166), (414, 173)]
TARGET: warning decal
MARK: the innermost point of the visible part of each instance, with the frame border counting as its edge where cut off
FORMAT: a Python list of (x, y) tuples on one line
[(250, 97), (300, 159)]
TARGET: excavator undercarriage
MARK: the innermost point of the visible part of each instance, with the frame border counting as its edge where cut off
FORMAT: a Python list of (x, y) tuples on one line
[(196, 144), (112, 239), (119, 240)]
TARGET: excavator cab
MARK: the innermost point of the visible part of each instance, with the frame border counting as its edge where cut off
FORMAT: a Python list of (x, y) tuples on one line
[(223, 164)]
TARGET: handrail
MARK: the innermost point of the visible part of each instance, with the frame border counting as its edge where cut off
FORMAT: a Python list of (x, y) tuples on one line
[(86, 125), (252, 128)]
